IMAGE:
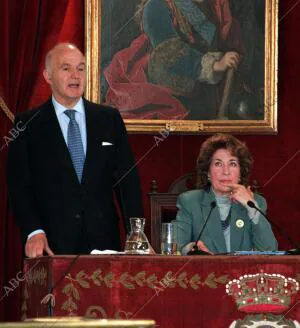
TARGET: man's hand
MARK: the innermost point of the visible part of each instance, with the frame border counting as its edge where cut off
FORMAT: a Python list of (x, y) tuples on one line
[(231, 59), (36, 245)]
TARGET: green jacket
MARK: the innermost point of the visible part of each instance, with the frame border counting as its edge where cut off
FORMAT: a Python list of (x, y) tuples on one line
[(193, 209)]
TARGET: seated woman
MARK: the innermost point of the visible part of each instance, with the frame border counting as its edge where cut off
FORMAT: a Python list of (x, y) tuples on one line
[(223, 168)]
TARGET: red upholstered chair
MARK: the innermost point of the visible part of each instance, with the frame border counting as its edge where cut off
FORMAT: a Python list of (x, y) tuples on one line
[(163, 205)]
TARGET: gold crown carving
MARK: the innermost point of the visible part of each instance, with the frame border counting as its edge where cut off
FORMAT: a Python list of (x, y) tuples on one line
[(262, 292)]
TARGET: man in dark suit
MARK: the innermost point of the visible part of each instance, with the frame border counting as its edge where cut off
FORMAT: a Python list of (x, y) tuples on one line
[(64, 166)]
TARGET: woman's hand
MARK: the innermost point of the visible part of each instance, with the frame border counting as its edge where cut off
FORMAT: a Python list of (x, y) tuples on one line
[(203, 248), (230, 59), (241, 194)]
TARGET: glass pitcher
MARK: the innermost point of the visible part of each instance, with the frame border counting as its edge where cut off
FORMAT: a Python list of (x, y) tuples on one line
[(137, 242)]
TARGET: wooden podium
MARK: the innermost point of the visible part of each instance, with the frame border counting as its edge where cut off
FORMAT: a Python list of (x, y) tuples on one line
[(175, 291)]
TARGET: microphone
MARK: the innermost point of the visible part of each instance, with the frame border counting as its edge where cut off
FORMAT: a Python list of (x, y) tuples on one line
[(294, 251), (195, 250)]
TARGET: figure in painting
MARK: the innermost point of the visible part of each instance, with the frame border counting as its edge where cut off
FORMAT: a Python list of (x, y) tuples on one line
[(194, 59)]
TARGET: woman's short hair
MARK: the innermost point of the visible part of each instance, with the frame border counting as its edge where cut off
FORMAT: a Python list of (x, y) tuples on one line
[(223, 141)]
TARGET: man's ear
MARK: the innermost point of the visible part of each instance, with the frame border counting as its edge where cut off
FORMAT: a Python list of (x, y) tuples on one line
[(47, 76)]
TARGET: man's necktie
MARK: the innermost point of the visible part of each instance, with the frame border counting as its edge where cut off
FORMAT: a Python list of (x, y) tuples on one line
[(75, 144)]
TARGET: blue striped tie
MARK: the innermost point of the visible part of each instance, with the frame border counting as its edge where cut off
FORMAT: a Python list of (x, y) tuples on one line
[(75, 143)]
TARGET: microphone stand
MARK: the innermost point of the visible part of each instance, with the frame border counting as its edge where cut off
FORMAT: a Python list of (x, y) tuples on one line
[(294, 251), (195, 250)]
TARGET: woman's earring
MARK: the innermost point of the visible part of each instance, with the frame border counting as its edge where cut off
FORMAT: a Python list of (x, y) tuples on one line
[(208, 177)]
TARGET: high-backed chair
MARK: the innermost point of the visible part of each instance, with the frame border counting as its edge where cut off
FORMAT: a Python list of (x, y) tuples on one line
[(163, 205)]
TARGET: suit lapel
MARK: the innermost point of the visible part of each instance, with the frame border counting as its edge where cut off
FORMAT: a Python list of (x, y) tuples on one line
[(90, 134), (236, 233), (51, 130), (95, 127), (213, 227)]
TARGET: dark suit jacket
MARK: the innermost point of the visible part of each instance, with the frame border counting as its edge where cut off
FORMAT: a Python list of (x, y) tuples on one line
[(44, 190), (193, 209)]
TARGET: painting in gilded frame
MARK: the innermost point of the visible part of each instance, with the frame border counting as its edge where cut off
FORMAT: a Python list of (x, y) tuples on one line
[(188, 66)]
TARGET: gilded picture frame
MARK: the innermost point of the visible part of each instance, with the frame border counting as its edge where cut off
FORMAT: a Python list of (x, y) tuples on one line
[(233, 113)]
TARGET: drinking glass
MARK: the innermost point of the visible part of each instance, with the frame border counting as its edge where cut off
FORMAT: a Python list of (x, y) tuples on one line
[(168, 238)]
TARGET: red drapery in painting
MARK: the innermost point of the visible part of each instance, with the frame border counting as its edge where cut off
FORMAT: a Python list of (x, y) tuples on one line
[(28, 29)]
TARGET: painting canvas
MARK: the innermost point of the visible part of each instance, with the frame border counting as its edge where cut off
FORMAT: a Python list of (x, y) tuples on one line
[(190, 66)]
